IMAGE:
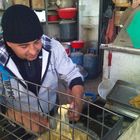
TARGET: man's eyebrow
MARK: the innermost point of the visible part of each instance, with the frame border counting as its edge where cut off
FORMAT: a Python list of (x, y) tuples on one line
[(37, 40), (23, 44)]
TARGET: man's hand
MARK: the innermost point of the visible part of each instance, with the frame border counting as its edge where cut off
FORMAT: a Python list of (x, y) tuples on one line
[(74, 111), (76, 104)]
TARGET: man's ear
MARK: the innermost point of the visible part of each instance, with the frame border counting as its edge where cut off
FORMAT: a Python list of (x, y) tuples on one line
[(8, 43)]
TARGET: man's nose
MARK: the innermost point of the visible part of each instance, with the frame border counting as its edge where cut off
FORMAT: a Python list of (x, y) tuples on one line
[(32, 49)]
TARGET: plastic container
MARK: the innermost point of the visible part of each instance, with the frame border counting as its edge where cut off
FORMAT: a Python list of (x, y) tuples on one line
[(77, 58), (90, 63), (90, 96), (77, 44), (67, 13), (105, 87), (68, 30), (53, 17)]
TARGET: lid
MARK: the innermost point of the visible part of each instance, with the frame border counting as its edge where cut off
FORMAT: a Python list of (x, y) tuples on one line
[(67, 21), (66, 43)]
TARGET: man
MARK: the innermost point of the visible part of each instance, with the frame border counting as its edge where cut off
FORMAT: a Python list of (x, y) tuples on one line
[(27, 56)]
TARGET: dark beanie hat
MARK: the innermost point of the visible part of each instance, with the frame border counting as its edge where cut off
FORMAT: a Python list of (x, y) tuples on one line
[(20, 24)]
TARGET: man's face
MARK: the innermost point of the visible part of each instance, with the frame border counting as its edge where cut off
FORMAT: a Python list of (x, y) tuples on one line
[(28, 51)]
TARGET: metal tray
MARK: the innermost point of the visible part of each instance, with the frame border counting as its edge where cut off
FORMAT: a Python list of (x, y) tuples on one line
[(122, 92)]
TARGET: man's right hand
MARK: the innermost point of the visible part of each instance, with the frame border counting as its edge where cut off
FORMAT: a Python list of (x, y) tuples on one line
[(31, 121)]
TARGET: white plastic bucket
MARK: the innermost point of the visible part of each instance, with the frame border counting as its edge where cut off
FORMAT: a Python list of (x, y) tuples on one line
[(105, 87)]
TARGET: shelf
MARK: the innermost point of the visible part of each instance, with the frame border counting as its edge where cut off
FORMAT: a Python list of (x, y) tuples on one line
[(57, 22), (53, 22), (122, 4), (37, 9), (52, 8)]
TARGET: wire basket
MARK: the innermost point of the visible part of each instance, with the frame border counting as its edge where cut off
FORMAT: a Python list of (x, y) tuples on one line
[(21, 120)]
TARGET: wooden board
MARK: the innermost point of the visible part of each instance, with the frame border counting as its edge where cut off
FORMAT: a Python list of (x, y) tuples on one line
[(24, 2)]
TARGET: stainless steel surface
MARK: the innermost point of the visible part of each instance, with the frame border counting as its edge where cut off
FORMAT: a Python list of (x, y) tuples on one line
[(120, 95), (121, 110), (96, 121), (113, 47)]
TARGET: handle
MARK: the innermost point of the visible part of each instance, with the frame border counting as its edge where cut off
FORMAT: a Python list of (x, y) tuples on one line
[(109, 58), (109, 62)]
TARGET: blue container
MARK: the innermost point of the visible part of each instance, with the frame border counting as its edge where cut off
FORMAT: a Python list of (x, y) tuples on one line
[(90, 96), (93, 50), (90, 63), (77, 58)]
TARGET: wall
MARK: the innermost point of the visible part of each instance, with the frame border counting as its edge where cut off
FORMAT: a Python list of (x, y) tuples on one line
[(88, 19), (124, 67)]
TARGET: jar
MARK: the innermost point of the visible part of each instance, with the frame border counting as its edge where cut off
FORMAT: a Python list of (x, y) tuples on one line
[(68, 30)]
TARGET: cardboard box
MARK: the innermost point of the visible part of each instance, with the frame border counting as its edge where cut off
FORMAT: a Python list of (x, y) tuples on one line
[(24, 2), (38, 4)]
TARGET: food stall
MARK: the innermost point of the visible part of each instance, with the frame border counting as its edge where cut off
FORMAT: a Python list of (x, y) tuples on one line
[(121, 66), (113, 118)]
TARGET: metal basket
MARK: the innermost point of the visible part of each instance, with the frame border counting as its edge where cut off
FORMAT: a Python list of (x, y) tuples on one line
[(95, 122)]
